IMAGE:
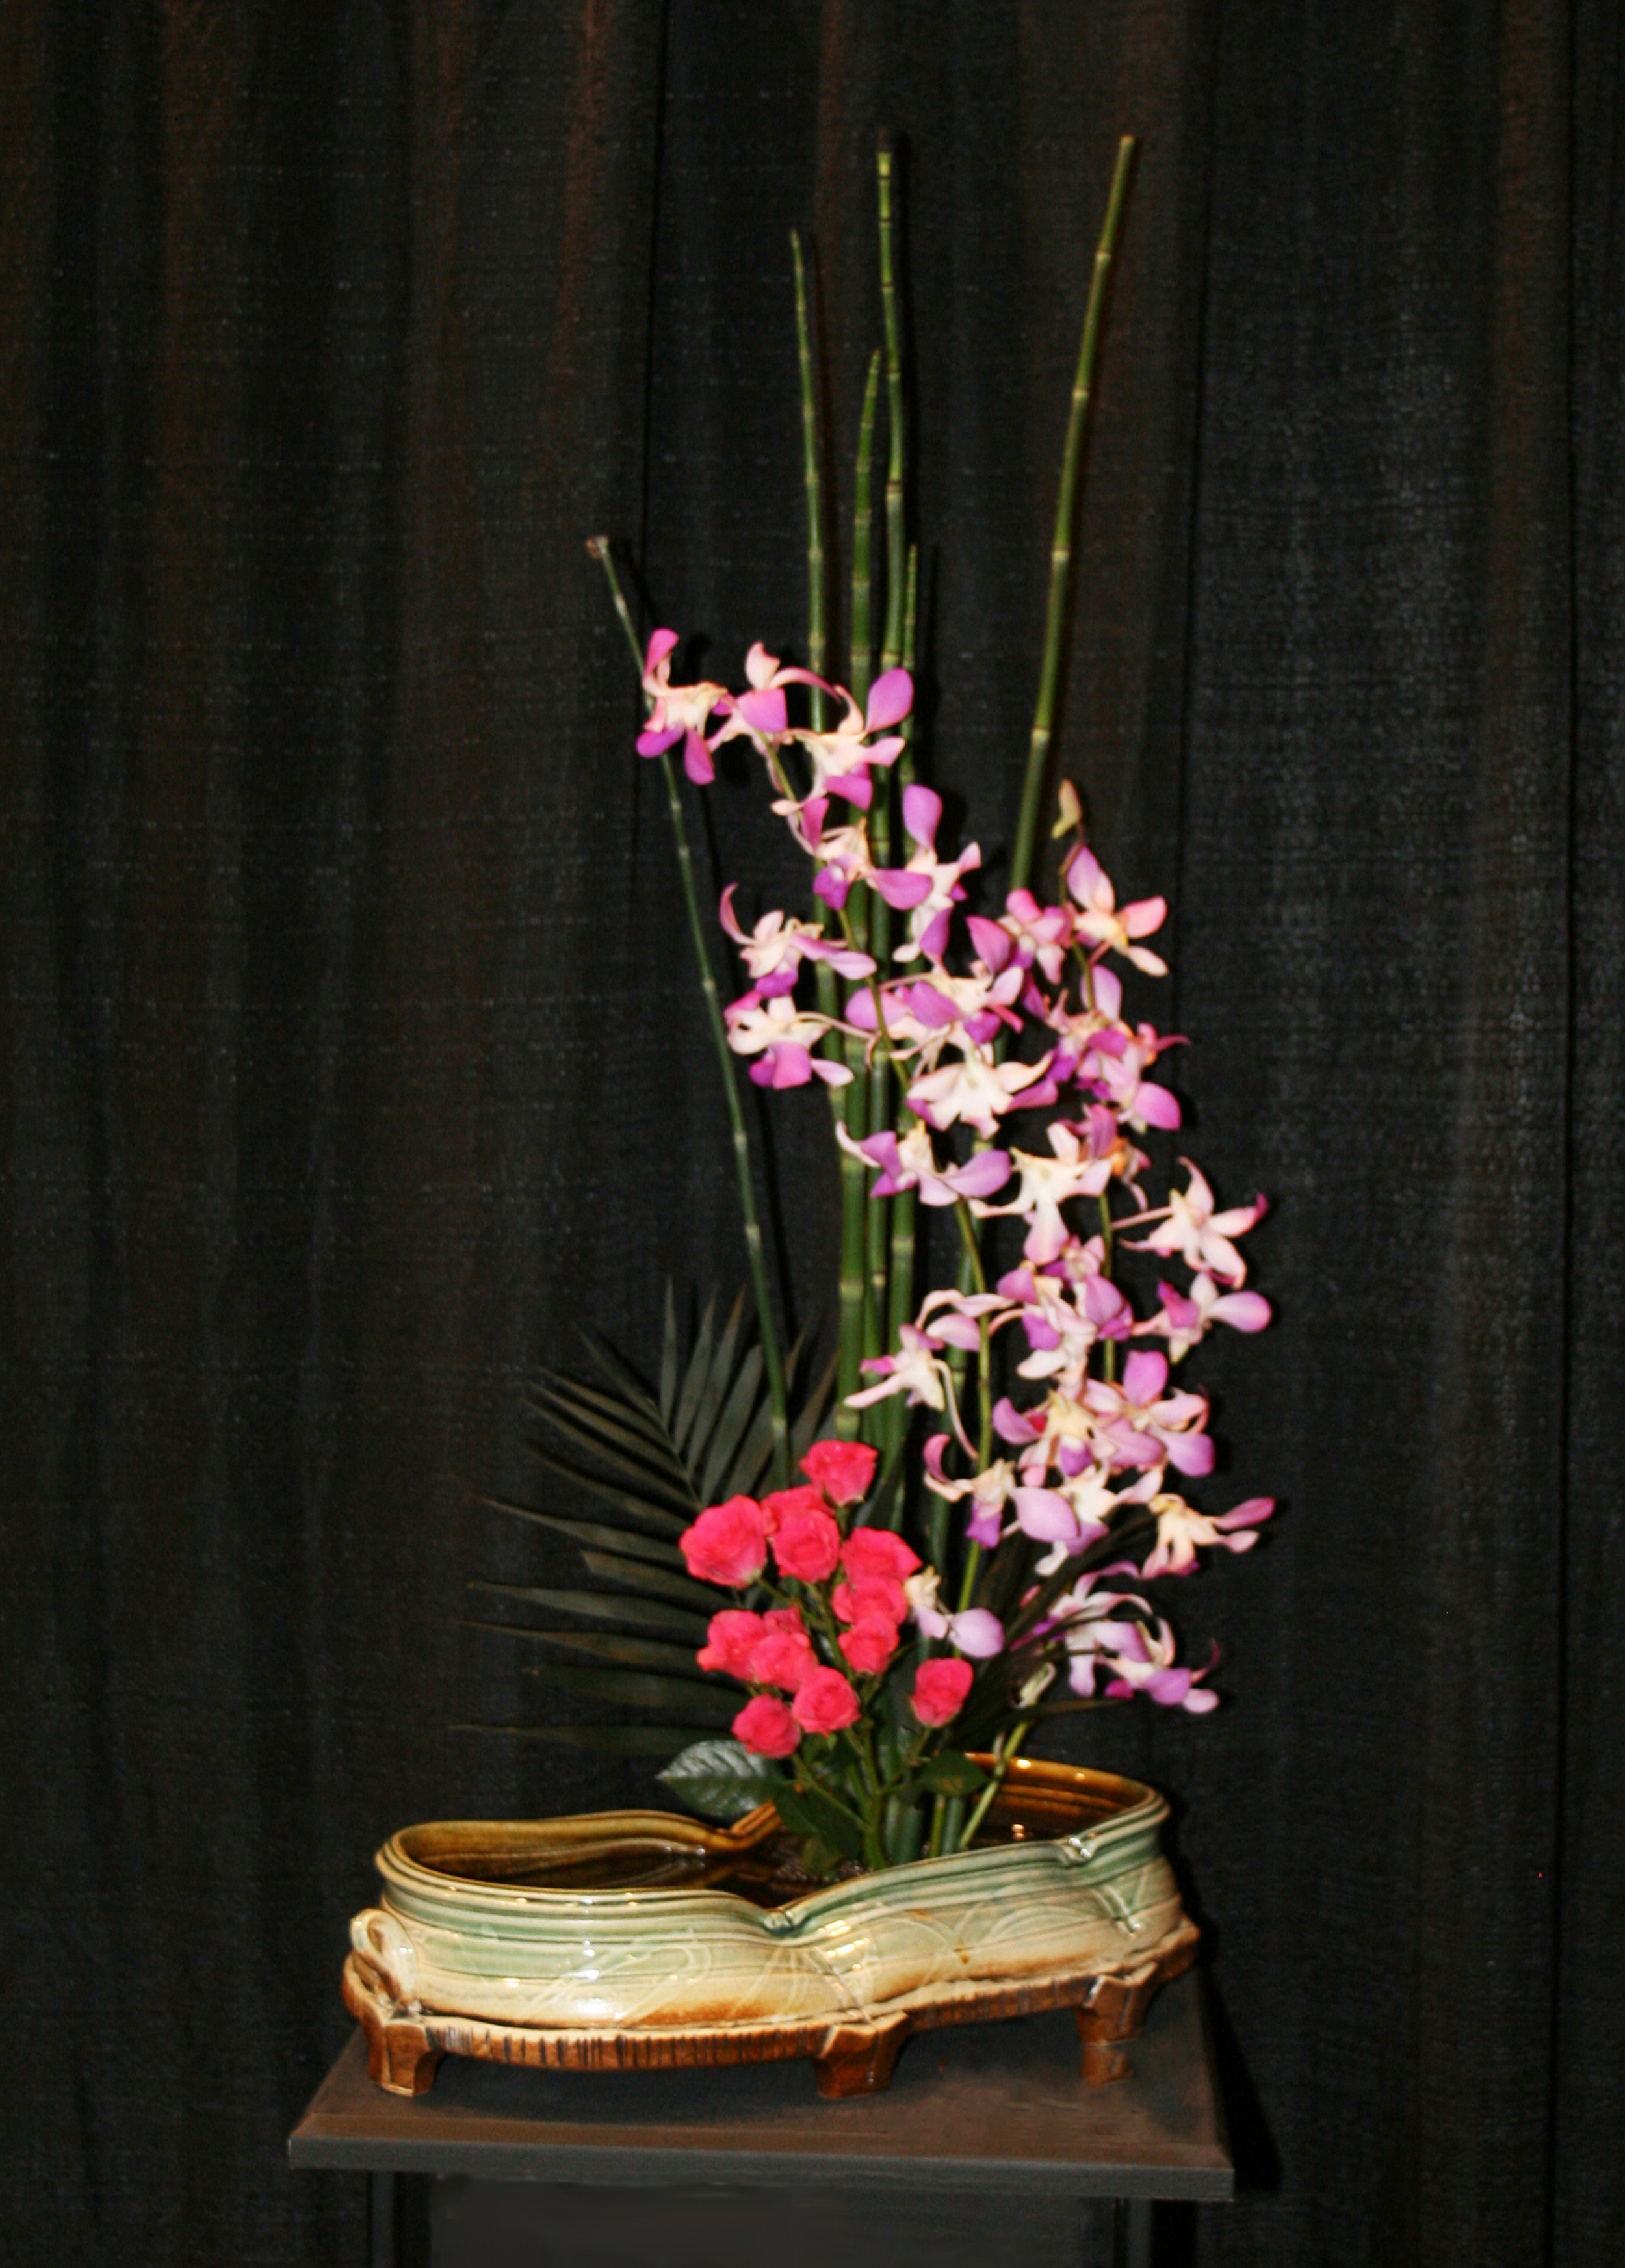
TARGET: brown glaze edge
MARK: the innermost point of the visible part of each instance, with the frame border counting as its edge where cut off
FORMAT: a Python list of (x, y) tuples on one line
[(405, 2046)]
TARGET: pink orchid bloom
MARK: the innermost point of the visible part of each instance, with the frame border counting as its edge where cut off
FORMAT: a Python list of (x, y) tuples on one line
[(680, 712), (841, 758), (1049, 1517), (974, 1631), (1099, 920), (1148, 1667), (1038, 934), (1137, 1424), (956, 1317), (927, 888), (1095, 1635), (1189, 1225), (1185, 1322), (975, 1093), (782, 1037), (1047, 1184), (911, 1163), (843, 852), (1063, 1434), (1062, 1332), (1181, 1532), (775, 948), (989, 1491), (1117, 1074), (760, 715), (917, 1370)]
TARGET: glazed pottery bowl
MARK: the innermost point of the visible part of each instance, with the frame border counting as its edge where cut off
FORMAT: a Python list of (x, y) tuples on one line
[(626, 1920)]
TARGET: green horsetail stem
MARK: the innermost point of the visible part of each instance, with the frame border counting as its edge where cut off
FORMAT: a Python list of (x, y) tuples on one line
[(811, 459), (1060, 551), (772, 1358), (896, 536)]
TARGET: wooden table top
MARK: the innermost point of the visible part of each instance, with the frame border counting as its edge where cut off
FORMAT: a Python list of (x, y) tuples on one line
[(987, 2107)]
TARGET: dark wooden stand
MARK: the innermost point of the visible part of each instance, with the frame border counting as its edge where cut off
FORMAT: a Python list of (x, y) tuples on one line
[(990, 2148)]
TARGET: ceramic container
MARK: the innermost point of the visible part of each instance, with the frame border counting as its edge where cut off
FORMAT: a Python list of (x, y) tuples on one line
[(617, 1924)]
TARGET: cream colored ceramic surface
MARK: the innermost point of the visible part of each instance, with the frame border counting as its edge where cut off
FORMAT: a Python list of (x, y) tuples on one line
[(1092, 1899)]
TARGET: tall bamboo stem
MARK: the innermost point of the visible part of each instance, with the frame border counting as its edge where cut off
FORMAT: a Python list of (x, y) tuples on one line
[(853, 1251), (1060, 551), (811, 459), (903, 1213), (772, 1358), (896, 537)]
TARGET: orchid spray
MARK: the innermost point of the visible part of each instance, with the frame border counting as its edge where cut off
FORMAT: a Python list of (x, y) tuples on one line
[(979, 1064)]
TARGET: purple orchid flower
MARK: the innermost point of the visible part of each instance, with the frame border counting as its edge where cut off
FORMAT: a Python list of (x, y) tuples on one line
[(775, 948)]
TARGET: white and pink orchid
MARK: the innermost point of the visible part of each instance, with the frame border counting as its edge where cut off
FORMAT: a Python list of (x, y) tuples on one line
[(775, 948), (678, 712), (1099, 919), (908, 1161), (928, 887), (1190, 1225), (782, 1037)]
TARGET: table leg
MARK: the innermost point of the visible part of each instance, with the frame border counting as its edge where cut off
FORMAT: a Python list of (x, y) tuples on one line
[(383, 2192), (1132, 2234)]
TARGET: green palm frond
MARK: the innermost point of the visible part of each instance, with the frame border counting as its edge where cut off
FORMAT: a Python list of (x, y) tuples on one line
[(650, 1461)]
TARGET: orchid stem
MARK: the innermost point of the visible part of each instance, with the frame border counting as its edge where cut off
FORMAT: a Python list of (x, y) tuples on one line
[(1061, 552), (772, 1358)]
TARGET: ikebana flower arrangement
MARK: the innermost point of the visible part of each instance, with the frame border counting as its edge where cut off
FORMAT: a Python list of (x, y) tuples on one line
[(1018, 1447)]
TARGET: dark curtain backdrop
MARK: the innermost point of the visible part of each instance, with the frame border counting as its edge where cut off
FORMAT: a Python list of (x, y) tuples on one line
[(352, 1056)]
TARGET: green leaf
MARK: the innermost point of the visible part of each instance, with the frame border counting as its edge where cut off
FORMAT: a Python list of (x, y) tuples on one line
[(643, 1421), (806, 1810), (636, 1508), (642, 1689), (605, 1606), (721, 1779), (659, 1484), (668, 1359), (804, 1432), (635, 1653), (590, 1531), (693, 1383), (818, 1857), (607, 1740), (949, 1772), (632, 1575), (731, 1426), (620, 1374), (715, 1386)]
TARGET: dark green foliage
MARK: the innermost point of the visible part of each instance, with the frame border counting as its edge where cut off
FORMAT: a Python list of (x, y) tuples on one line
[(652, 1461), (723, 1779)]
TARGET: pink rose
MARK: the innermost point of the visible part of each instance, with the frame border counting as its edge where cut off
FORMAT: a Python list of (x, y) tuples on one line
[(869, 1644), (767, 1727), (784, 1502), (877, 1551), (824, 1703), (783, 1657), (876, 1598), (728, 1644), (806, 1544), (728, 1543), (939, 1689), (842, 1469)]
